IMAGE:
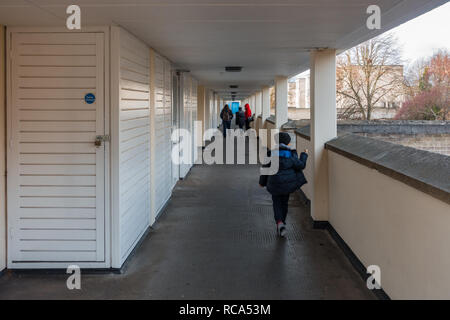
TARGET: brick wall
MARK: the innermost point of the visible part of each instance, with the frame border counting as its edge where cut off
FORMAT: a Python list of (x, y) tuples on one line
[(304, 113), (437, 143)]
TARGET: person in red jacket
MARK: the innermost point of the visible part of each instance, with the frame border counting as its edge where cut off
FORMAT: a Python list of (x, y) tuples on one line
[(248, 115)]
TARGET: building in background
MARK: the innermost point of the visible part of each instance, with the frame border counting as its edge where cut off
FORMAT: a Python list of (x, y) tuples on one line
[(385, 108)]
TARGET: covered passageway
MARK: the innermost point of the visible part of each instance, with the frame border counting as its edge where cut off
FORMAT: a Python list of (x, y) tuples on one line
[(91, 120)]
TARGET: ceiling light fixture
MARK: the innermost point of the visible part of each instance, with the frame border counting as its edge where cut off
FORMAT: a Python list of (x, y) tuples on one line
[(233, 69)]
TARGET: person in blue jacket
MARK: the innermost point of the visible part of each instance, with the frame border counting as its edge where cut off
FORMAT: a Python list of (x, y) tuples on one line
[(287, 180)]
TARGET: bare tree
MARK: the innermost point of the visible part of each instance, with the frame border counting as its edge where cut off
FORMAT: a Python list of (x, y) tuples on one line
[(368, 74), (415, 76)]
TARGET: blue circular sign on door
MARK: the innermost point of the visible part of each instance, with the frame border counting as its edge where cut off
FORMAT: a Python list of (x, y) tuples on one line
[(89, 98)]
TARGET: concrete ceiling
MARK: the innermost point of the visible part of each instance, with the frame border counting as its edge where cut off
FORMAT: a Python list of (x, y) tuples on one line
[(268, 38)]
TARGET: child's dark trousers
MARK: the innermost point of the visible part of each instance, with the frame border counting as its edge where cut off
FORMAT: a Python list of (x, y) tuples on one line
[(280, 207)]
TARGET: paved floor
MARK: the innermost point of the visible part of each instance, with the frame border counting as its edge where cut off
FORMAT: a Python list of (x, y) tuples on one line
[(216, 240)]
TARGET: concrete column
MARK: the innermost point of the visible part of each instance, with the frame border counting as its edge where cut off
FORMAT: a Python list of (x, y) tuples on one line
[(214, 111), (307, 92), (323, 126), (297, 93), (218, 108), (265, 110), (258, 103), (201, 106), (281, 99)]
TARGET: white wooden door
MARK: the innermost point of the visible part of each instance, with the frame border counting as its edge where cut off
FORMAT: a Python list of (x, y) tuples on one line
[(56, 175)]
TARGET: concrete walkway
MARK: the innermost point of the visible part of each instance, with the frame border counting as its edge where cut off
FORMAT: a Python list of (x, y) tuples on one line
[(216, 240)]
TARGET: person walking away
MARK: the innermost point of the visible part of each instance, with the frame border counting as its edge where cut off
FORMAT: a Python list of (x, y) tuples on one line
[(248, 115), (287, 180), (226, 115), (240, 118)]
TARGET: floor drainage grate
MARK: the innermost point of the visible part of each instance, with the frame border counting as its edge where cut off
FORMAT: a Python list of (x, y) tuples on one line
[(266, 236)]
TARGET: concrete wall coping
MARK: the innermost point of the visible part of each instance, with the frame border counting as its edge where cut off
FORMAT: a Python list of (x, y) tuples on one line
[(303, 132), (271, 119), (426, 171), (396, 127), (387, 127)]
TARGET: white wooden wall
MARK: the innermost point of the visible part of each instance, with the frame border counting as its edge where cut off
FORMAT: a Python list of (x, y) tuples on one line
[(2, 152), (187, 116), (132, 121), (190, 101), (141, 164), (162, 104), (144, 182)]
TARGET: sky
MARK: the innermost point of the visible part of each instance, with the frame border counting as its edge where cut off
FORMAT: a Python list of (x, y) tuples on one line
[(422, 36)]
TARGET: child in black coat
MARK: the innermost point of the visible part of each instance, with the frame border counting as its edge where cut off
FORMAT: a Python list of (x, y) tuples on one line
[(287, 180)]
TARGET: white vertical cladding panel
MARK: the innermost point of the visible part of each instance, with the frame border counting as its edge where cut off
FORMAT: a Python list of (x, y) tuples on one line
[(208, 112), (193, 107), (207, 109), (213, 110), (56, 175), (187, 118), (134, 142), (168, 125), (2, 152), (216, 103), (216, 113), (163, 121), (210, 99)]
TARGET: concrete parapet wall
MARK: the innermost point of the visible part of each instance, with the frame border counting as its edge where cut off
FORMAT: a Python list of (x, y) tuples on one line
[(301, 144), (390, 223)]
